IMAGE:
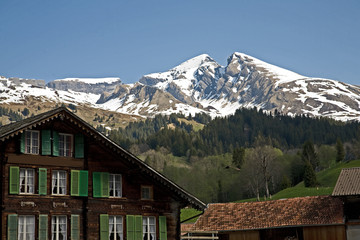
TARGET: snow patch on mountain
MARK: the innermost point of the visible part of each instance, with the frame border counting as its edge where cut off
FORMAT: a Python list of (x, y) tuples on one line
[(108, 80), (282, 75)]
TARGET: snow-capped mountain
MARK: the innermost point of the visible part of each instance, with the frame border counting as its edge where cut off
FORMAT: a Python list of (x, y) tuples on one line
[(200, 85), (90, 85)]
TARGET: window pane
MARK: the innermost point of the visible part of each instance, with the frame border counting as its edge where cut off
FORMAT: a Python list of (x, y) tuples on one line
[(26, 227), (26, 182), (65, 145), (59, 182), (32, 142), (149, 228), (58, 228), (115, 185)]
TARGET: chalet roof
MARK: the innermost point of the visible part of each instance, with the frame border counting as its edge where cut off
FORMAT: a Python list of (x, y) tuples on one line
[(302, 211), (13, 129), (348, 183)]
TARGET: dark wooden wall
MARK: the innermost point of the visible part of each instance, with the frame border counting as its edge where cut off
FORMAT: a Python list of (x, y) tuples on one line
[(98, 158)]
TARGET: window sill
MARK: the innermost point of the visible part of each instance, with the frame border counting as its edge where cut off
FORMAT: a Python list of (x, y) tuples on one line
[(147, 199), (118, 198)]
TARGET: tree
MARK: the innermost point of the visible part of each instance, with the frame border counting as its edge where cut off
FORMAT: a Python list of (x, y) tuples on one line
[(309, 175), (261, 168), (309, 155), (340, 152), (238, 157), (25, 112)]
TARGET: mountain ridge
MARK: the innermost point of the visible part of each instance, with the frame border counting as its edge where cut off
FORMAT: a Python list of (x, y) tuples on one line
[(200, 85)]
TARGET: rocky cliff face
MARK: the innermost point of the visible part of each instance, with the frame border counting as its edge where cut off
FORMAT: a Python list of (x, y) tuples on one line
[(94, 85), (200, 85)]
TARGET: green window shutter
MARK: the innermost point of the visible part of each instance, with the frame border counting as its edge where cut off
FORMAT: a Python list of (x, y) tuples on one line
[(100, 184), (74, 189), (96, 184), (130, 227), (84, 183), (12, 226), (56, 143), (43, 227), (42, 181), (162, 228), (14, 180), (79, 146), (75, 227), (105, 184), (104, 227), (45, 142), (22, 143), (138, 227)]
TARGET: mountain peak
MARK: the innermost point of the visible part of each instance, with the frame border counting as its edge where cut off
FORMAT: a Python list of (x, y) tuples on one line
[(194, 62), (280, 74)]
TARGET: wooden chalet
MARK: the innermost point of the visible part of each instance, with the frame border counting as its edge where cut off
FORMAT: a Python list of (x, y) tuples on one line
[(347, 189), (61, 179), (303, 218)]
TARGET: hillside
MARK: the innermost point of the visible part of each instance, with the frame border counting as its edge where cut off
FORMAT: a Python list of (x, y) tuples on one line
[(326, 178)]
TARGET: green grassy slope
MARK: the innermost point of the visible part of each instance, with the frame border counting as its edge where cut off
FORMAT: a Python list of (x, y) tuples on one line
[(326, 178)]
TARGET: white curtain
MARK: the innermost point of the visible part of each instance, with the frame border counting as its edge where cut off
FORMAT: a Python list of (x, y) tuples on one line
[(118, 185), (62, 228), (30, 228), (119, 228), (54, 182), (30, 180), (62, 182), (22, 180), (111, 225)]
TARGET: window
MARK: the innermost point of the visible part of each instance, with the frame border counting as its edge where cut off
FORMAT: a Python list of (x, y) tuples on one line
[(58, 182), (115, 227), (58, 228), (31, 142), (115, 185), (26, 228), (149, 228), (146, 192), (27, 180), (65, 144)]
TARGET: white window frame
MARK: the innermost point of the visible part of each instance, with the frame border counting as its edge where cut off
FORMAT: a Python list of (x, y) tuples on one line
[(29, 181), (56, 182), (26, 227), (116, 227), (115, 186), (64, 149), (149, 227), (56, 225), (32, 143)]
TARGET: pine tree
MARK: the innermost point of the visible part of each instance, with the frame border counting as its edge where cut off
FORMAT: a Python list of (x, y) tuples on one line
[(238, 157), (309, 155), (340, 152), (309, 175)]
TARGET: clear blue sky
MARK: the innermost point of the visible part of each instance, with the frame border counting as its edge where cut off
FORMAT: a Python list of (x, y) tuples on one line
[(46, 39)]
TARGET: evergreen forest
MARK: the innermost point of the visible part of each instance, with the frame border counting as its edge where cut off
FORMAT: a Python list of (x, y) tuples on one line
[(249, 154)]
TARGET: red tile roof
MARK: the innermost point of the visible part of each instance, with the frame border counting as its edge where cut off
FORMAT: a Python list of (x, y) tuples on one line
[(186, 227), (302, 211), (348, 182)]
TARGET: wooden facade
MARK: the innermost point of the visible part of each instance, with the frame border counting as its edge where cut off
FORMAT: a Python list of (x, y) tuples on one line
[(347, 189), (61, 179)]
